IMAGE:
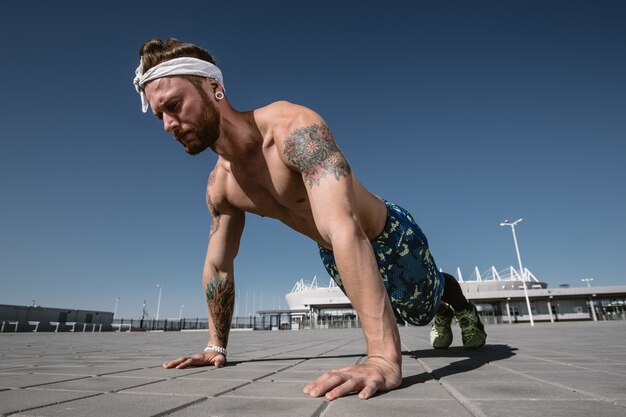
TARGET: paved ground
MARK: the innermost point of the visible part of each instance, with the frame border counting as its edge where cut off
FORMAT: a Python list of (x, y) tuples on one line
[(564, 369)]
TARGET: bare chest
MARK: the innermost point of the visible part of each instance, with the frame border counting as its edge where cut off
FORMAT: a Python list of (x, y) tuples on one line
[(266, 186)]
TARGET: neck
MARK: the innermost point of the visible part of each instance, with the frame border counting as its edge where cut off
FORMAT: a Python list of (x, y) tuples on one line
[(239, 135)]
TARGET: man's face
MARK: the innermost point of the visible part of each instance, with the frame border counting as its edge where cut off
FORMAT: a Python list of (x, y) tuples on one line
[(187, 113)]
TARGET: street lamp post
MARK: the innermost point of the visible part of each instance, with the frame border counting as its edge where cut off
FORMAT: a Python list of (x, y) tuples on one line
[(117, 299), (180, 312), (158, 302), (521, 268), (592, 307)]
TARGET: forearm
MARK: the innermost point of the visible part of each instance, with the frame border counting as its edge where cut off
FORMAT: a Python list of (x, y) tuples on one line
[(220, 298), (364, 287)]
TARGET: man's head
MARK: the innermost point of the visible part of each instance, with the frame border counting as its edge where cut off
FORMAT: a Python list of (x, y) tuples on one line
[(156, 51), (181, 82)]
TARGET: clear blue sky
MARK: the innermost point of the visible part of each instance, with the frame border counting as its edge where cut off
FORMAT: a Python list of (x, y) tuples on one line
[(464, 112)]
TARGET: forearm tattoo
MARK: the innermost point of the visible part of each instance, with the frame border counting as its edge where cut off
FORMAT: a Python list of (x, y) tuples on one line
[(313, 150), (220, 297)]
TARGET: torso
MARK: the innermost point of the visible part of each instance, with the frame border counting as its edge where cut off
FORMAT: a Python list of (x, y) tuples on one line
[(267, 186)]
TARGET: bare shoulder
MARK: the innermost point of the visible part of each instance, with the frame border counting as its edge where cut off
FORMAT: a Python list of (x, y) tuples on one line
[(291, 125), (284, 108), (282, 118)]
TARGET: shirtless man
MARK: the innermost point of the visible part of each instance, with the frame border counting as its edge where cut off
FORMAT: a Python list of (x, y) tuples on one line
[(281, 161)]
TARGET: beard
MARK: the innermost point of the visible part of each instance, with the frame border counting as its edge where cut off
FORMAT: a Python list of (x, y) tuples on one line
[(207, 129)]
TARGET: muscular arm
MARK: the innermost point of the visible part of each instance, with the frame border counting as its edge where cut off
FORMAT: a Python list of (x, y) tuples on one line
[(218, 276), (218, 279), (328, 178)]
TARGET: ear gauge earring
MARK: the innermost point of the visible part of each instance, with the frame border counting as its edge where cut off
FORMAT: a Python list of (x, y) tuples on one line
[(219, 95)]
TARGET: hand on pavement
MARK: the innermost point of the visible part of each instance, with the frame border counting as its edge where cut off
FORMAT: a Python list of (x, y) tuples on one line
[(207, 358), (377, 374)]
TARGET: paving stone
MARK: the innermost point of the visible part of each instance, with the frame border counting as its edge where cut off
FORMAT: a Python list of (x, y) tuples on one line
[(188, 386), (156, 372), (505, 387), (303, 377), (11, 369), (417, 388), (543, 408), (99, 383), (8, 380), (228, 374), (12, 401), (613, 368), (539, 366), (398, 408), (253, 407), (262, 365), (265, 389), (326, 364), (114, 405), (600, 383)]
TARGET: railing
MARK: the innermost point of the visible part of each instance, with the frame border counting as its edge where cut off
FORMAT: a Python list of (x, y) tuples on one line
[(15, 326), (267, 323), (238, 323), (167, 325)]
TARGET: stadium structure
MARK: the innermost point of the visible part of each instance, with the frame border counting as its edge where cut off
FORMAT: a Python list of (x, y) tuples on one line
[(501, 296)]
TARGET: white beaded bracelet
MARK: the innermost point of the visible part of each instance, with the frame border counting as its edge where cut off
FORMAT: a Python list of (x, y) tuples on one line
[(215, 348)]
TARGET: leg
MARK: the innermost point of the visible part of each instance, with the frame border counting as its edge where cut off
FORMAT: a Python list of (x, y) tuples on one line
[(441, 330), (455, 304), (453, 294), (452, 300)]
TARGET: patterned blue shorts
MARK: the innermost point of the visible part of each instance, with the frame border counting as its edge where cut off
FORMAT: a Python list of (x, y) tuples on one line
[(409, 273)]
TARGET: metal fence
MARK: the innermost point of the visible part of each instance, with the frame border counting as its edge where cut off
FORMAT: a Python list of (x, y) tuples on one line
[(322, 322), (240, 323), (275, 323), (167, 325)]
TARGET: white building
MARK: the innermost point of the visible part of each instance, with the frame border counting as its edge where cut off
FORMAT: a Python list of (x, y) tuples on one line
[(498, 295)]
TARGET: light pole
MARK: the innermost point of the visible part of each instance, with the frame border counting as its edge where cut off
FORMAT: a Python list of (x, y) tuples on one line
[(180, 312), (521, 268), (592, 307), (117, 299), (158, 302)]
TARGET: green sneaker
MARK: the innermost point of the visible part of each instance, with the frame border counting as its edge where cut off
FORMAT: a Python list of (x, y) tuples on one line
[(441, 331), (472, 329)]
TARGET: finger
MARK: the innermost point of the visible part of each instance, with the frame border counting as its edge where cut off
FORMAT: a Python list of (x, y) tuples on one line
[(310, 387), (370, 389), (315, 383), (351, 385), (327, 375), (186, 363), (174, 362), (326, 383)]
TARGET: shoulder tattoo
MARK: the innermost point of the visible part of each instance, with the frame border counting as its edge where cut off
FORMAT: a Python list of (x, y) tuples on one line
[(313, 150)]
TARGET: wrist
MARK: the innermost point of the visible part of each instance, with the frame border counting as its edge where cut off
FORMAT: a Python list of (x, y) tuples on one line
[(215, 348), (390, 353), (394, 360)]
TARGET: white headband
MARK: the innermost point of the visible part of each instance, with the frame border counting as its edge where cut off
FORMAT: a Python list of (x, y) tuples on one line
[(176, 66)]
